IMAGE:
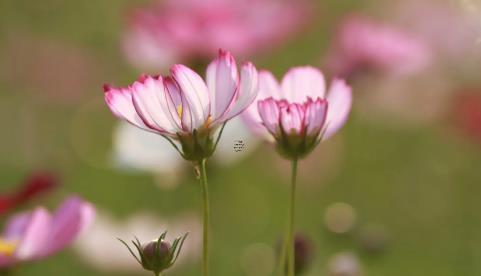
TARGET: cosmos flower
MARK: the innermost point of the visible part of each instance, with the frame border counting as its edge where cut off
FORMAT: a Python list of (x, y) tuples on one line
[(299, 112), (34, 185), (183, 106), (174, 30), (362, 44), (38, 234)]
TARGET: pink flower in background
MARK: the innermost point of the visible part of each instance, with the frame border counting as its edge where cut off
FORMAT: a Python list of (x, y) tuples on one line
[(34, 185), (452, 29), (183, 106), (174, 30), (361, 44), (299, 112), (38, 234)]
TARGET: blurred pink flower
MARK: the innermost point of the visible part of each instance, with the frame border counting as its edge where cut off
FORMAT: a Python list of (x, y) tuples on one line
[(38, 234), (298, 112), (174, 30), (183, 106), (451, 30), (34, 185), (362, 44)]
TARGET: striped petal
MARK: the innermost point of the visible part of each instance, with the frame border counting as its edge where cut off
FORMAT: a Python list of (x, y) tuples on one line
[(119, 100), (150, 102), (194, 91), (222, 81), (249, 87)]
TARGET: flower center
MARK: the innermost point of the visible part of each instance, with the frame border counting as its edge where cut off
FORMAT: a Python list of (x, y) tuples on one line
[(7, 247)]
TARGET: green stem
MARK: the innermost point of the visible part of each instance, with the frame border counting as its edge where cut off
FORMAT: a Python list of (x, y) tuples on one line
[(205, 194), (290, 232)]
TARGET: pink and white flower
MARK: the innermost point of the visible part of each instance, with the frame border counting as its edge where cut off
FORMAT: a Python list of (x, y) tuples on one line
[(173, 30), (361, 44), (298, 113), (183, 106), (38, 234)]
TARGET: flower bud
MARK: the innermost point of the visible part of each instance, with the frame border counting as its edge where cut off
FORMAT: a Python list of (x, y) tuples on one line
[(157, 255)]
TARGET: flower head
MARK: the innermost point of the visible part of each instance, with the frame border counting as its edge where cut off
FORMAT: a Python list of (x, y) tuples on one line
[(157, 255), (298, 113), (183, 106), (38, 234), (364, 44), (173, 30)]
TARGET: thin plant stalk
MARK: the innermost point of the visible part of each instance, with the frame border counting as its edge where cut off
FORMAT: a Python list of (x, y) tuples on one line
[(290, 248), (206, 217)]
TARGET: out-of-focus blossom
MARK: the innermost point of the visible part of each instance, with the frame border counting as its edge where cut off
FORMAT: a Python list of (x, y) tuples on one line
[(34, 185), (99, 248), (361, 45), (344, 264), (135, 149), (174, 30), (467, 114), (452, 29), (299, 112), (39, 234), (185, 108)]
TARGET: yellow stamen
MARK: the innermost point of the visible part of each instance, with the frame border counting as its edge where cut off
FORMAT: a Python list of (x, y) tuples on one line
[(179, 110), (7, 247), (208, 122)]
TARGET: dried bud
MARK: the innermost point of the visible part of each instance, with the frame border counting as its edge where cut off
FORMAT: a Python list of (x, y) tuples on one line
[(157, 255)]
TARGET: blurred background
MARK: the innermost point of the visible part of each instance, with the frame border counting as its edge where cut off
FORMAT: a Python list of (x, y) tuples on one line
[(396, 192)]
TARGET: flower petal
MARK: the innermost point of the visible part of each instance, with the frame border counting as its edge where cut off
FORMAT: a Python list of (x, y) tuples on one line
[(249, 87), (222, 81), (292, 118), (174, 104), (302, 82), (339, 99), (194, 91), (70, 219), (269, 86), (34, 238), (316, 114), (150, 102), (120, 103), (269, 114)]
